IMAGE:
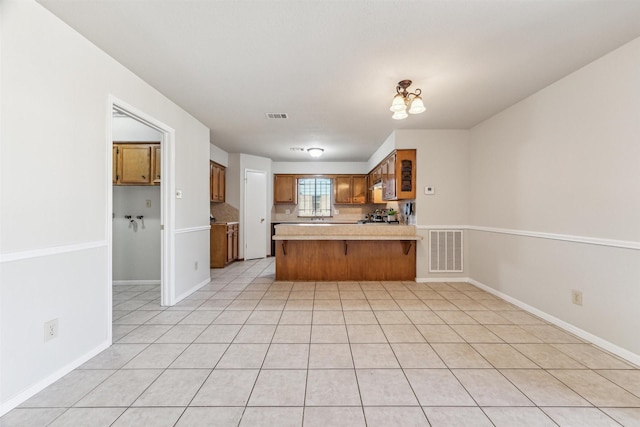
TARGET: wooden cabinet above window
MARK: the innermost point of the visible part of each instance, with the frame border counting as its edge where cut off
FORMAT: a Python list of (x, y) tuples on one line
[(136, 163), (285, 189)]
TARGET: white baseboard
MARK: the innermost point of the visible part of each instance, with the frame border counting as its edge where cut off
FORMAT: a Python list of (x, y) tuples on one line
[(442, 279), (44, 383), (192, 290), (135, 282), (610, 347)]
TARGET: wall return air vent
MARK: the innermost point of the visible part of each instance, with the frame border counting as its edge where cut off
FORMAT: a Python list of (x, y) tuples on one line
[(445, 251), (277, 115)]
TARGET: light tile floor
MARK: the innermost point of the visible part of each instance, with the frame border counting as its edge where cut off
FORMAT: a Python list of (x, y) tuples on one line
[(245, 350)]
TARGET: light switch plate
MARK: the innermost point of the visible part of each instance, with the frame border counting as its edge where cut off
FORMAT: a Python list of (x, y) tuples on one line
[(429, 190)]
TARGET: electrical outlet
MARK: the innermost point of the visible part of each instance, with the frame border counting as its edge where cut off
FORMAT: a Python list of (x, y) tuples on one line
[(195, 265), (50, 330), (148, 203), (576, 297)]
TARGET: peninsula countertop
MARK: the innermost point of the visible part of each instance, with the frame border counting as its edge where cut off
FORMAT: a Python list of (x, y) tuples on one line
[(345, 232)]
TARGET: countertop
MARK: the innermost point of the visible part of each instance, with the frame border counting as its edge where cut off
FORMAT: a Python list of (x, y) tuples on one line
[(345, 232)]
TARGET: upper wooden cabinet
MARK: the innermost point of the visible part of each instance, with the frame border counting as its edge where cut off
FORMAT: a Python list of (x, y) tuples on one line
[(350, 189), (389, 178), (156, 166), (285, 189), (115, 164), (217, 182), (398, 173), (136, 163)]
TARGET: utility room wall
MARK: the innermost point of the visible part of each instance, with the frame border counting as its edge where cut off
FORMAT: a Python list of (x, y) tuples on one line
[(136, 246)]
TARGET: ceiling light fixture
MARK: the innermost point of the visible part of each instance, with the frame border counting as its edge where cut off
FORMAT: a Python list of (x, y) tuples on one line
[(315, 152), (406, 102)]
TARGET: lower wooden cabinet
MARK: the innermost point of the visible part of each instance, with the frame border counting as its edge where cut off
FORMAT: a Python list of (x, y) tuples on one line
[(223, 244)]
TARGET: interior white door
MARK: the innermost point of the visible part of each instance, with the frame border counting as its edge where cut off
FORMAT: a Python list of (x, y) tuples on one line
[(255, 214)]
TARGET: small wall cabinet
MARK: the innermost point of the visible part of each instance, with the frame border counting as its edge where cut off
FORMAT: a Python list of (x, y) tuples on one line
[(217, 175), (223, 244), (398, 175), (350, 189), (285, 189), (136, 163)]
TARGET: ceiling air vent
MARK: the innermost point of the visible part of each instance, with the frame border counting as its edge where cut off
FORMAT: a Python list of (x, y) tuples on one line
[(277, 116), (299, 149)]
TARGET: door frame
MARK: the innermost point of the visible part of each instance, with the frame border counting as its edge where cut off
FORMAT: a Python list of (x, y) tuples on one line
[(244, 225), (167, 202)]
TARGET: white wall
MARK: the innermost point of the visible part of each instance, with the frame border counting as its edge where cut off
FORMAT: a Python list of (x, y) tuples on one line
[(441, 162), (563, 164), (383, 151), (218, 155), (136, 250), (54, 186), (128, 129), (321, 167)]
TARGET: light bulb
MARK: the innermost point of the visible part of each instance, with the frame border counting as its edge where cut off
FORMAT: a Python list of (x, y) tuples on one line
[(400, 115), (398, 104), (416, 106)]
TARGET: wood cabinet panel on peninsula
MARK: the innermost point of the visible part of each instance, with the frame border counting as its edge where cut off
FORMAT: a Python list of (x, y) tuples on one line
[(223, 244), (285, 189), (136, 163)]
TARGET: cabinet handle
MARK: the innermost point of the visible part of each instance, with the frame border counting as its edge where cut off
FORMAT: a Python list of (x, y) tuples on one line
[(143, 177)]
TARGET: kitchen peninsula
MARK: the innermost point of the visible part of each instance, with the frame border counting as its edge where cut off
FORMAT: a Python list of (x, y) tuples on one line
[(332, 252)]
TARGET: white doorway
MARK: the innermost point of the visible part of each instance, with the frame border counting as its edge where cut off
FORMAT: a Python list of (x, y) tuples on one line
[(255, 214), (167, 204)]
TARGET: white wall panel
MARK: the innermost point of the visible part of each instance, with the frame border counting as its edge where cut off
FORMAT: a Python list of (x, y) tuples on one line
[(54, 120), (565, 161)]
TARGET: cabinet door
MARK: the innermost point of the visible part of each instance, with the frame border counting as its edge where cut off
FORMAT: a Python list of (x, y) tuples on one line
[(135, 164), (359, 189), (115, 164), (216, 183), (235, 242), (342, 189), (285, 189), (229, 243), (211, 173), (376, 174), (406, 174), (221, 184), (156, 163), (390, 179)]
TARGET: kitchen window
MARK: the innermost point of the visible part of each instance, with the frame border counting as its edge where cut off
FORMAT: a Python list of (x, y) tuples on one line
[(314, 197)]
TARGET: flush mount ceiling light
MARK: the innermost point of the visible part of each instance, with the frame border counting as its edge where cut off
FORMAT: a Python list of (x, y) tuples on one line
[(406, 102), (315, 152)]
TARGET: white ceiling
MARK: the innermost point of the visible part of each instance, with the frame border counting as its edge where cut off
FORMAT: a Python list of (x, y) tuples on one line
[(333, 65)]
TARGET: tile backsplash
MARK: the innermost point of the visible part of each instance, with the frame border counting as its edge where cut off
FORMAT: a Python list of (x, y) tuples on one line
[(349, 213), (224, 212)]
